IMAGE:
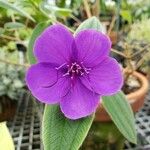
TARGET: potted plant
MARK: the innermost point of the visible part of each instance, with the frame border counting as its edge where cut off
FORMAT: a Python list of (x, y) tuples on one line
[(135, 83), (11, 86), (139, 36), (135, 87)]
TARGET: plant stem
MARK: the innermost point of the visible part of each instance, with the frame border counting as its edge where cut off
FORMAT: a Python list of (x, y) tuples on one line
[(139, 63), (111, 25), (56, 21), (9, 37), (75, 18), (16, 32), (138, 52), (96, 8), (35, 6), (129, 67), (119, 53), (87, 8), (13, 63)]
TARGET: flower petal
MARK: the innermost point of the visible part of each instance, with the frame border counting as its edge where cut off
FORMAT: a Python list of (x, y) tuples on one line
[(92, 46), (106, 78), (54, 45), (79, 102), (45, 83)]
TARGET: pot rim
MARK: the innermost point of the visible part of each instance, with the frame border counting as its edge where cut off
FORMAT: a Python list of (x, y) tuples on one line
[(136, 99), (143, 89)]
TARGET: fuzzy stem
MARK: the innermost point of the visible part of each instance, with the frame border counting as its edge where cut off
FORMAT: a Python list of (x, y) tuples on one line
[(129, 64)]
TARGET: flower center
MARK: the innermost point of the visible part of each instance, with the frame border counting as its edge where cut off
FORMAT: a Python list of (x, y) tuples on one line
[(76, 70)]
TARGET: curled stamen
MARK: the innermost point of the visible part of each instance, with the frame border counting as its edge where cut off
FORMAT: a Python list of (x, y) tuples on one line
[(75, 69)]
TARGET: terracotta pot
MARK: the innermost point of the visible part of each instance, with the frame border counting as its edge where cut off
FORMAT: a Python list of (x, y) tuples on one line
[(136, 99)]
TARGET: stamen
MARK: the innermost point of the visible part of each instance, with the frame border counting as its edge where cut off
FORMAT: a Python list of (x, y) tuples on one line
[(76, 69), (66, 74), (57, 68), (82, 74)]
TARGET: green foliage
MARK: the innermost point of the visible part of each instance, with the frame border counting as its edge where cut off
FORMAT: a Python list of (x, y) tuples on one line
[(126, 11), (11, 81), (54, 11), (103, 6), (60, 132), (7, 5), (141, 9), (103, 136), (11, 77), (33, 8), (13, 25), (134, 10), (74, 5), (126, 15), (121, 113)]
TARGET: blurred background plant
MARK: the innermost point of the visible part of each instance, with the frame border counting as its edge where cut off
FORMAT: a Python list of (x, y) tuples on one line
[(12, 81), (136, 45), (139, 38), (140, 30)]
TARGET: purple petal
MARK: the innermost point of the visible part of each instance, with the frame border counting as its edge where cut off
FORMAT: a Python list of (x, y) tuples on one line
[(106, 78), (54, 45), (92, 46), (45, 83), (79, 102)]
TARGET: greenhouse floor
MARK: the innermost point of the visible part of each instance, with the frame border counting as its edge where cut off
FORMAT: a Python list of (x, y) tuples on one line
[(26, 126)]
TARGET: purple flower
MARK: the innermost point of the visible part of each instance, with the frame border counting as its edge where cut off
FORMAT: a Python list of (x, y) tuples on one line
[(73, 71)]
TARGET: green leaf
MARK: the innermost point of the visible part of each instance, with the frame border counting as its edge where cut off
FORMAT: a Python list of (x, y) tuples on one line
[(63, 12), (13, 25), (126, 15), (36, 32), (51, 9), (60, 133), (8, 5), (91, 23), (121, 113)]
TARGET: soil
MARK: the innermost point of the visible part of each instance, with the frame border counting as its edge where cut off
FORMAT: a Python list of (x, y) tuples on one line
[(131, 85)]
